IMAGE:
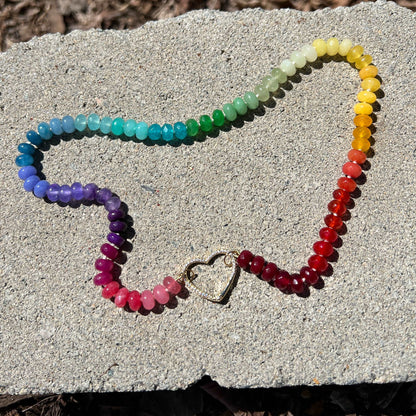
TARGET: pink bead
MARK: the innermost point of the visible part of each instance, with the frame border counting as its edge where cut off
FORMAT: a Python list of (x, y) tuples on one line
[(161, 294), (172, 285), (104, 265), (134, 301), (148, 301), (109, 251), (103, 278), (120, 298), (110, 290), (352, 169)]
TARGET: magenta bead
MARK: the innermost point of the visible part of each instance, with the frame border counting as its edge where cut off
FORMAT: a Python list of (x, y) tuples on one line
[(109, 251), (103, 278), (172, 285), (104, 265), (161, 294), (148, 301), (133, 299), (120, 298)]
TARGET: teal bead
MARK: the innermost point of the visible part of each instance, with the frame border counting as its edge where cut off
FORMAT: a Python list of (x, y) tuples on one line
[(206, 123), (93, 122), (142, 130), (24, 160), (130, 128), (218, 118), (26, 148), (192, 127), (117, 126), (105, 125), (180, 130), (44, 131), (80, 122), (155, 132), (229, 112), (167, 132), (240, 106), (251, 100)]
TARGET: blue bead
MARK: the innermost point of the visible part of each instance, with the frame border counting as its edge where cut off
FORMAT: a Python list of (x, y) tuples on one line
[(34, 138), (77, 191), (30, 182), (180, 130), (80, 122), (68, 124), (93, 122), (155, 132), (142, 130), (26, 148), (24, 160), (167, 132), (105, 125), (40, 189), (27, 171), (56, 126), (44, 131)]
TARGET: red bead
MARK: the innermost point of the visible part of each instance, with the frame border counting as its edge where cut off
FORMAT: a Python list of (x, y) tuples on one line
[(328, 234), (109, 251), (333, 221), (269, 272), (310, 276), (341, 195), (244, 259), (297, 284), (134, 301), (110, 290), (120, 298), (103, 278), (257, 265), (357, 156), (282, 280), (352, 169), (172, 285), (104, 265), (337, 207), (323, 248), (318, 263), (347, 184)]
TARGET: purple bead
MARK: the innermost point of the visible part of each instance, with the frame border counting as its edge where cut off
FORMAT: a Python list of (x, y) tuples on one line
[(77, 191), (112, 203), (89, 191), (117, 226), (26, 171), (53, 192), (65, 193), (115, 215), (103, 195), (30, 182), (115, 239)]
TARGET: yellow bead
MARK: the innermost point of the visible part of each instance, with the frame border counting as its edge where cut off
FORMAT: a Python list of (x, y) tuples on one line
[(363, 108), (370, 84), (332, 46), (320, 46), (354, 53), (366, 97), (368, 72), (344, 47), (361, 133), (363, 61), (361, 144), (363, 120)]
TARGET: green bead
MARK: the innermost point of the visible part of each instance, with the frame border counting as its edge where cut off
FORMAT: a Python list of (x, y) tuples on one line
[(205, 123), (229, 112), (279, 75), (117, 126), (272, 84), (251, 100), (240, 106), (218, 117), (192, 127), (261, 92)]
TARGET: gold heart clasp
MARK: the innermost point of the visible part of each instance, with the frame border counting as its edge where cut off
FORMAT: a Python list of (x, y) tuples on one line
[(230, 262)]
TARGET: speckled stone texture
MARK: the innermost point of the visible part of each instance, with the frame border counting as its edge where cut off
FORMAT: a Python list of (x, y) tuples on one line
[(262, 184)]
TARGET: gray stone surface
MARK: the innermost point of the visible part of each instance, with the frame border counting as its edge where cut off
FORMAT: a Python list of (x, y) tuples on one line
[(263, 185)]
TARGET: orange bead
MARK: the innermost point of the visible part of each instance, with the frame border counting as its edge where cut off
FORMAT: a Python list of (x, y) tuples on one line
[(369, 71), (357, 156), (363, 108), (363, 120), (361, 144), (347, 184), (361, 133), (352, 169)]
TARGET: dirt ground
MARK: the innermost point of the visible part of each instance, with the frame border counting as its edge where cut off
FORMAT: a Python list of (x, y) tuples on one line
[(20, 20)]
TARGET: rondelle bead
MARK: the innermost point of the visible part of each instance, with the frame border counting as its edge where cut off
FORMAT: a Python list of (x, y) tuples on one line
[(65, 194), (105, 125), (218, 118), (341, 195), (354, 53), (328, 234), (298, 59), (93, 122), (269, 272), (117, 126), (270, 83), (115, 239), (180, 131), (297, 284), (104, 265), (257, 265), (24, 160), (288, 67), (90, 191), (282, 280), (77, 191), (192, 127), (142, 130), (347, 184), (323, 248), (352, 169), (109, 251), (366, 97), (332, 46), (333, 221), (309, 52), (148, 301), (310, 276), (45, 131), (117, 226), (80, 122), (361, 144), (116, 214), (262, 93), (357, 156), (361, 133), (34, 138), (240, 106), (112, 203), (68, 124), (172, 286), (320, 47), (206, 123), (133, 299), (370, 84), (56, 126), (120, 298), (52, 192), (344, 47), (369, 71), (318, 263), (363, 108), (155, 132), (26, 148), (244, 259), (363, 120), (337, 207), (229, 112), (103, 195), (161, 294), (110, 290), (129, 128), (30, 182), (103, 278), (279, 75), (26, 171), (41, 188), (363, 61), (251, 100), (167, 132)]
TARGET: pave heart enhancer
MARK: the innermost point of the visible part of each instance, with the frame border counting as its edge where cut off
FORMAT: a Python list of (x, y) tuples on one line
[(162, 294)]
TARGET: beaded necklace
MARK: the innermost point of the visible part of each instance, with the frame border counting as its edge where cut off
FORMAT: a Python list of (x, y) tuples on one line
[(164, 293)]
